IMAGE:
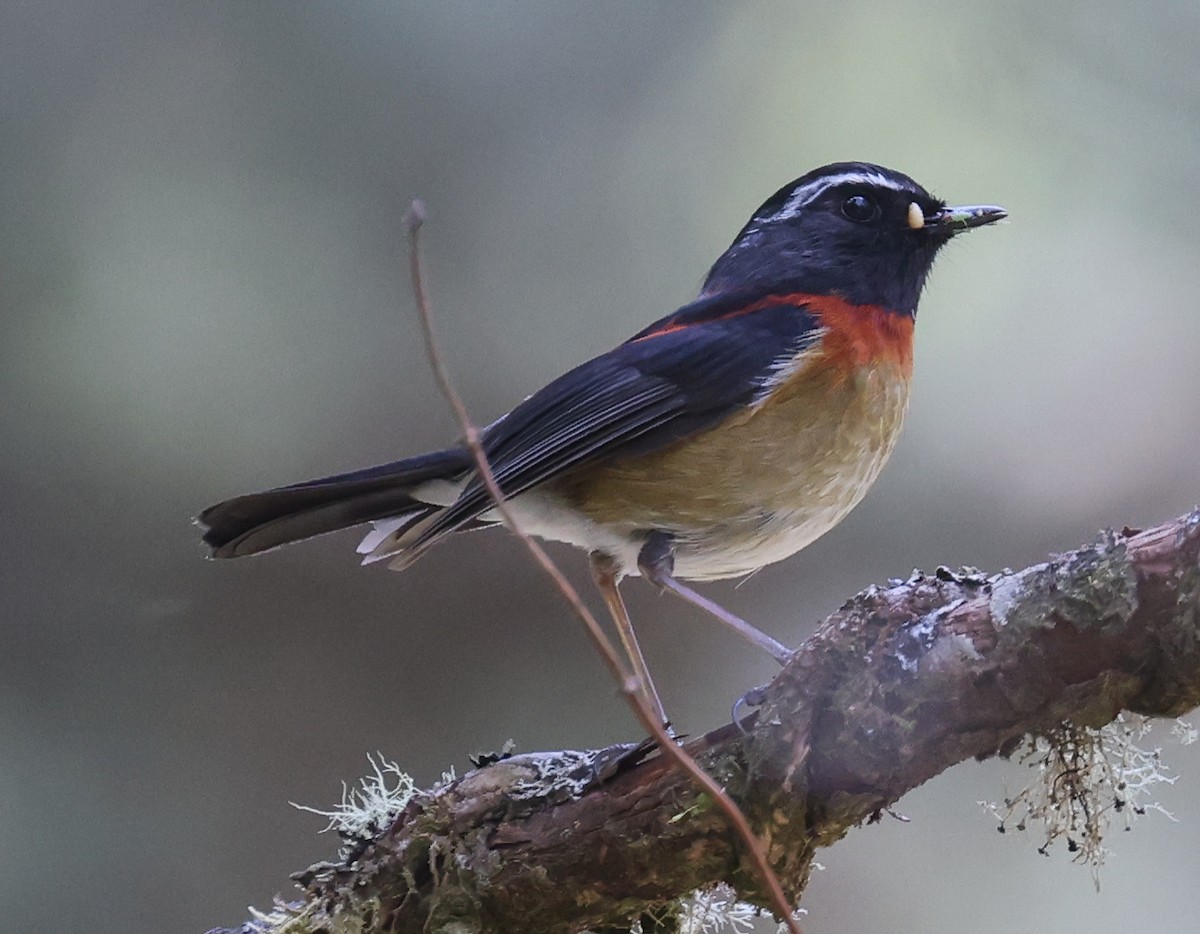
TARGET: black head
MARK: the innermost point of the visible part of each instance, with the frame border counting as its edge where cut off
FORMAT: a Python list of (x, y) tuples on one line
[(852, 229)]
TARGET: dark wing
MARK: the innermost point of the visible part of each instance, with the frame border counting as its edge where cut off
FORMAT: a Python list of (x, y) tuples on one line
[(677, 377)]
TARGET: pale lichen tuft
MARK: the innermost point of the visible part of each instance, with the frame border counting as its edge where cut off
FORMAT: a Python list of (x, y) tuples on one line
[(1087, 779), (370, 807)]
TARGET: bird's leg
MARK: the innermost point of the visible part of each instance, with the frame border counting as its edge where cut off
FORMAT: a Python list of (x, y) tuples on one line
[(656, 561), (605, 573)]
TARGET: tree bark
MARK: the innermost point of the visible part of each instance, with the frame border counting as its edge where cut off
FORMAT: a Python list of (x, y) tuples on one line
[(898, 685)]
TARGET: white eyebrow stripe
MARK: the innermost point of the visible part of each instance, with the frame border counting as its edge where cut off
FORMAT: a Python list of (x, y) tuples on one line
[(806, 194)]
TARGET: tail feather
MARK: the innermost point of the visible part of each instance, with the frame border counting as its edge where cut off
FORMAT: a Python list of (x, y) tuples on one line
[(257, 522), (402, 541), (382, 530)]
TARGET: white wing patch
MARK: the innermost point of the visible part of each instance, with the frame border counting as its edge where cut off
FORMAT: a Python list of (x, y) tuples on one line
[(786, 365)]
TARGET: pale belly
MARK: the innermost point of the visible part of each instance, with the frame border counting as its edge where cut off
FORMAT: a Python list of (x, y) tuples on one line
[(755, 490)]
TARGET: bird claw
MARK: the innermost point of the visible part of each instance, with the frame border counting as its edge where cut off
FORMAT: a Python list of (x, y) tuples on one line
[(755, 697)]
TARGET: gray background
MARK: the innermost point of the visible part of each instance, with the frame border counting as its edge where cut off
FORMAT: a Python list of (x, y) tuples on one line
[(202, 293)]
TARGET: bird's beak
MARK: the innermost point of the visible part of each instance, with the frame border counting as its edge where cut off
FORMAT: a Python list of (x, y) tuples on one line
[(957, 219)]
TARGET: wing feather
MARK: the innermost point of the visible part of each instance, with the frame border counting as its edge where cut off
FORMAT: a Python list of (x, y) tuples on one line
[(675, 378)]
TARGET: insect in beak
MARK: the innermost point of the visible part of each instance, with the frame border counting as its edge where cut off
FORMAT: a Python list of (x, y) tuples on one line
[(958, 219)]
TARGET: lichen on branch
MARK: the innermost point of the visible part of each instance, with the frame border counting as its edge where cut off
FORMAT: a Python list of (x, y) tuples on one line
[(895, 687)]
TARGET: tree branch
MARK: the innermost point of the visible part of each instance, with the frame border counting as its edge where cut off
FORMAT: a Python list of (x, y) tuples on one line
[(631, 688), (895, 687)]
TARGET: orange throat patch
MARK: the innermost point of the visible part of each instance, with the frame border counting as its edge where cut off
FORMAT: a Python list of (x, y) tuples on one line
[(858, 336)]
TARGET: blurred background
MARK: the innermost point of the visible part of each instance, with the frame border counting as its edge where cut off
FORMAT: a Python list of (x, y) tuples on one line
[(203, 293)]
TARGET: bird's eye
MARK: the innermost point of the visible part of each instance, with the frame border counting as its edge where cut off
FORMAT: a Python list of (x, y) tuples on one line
[(860, 208)]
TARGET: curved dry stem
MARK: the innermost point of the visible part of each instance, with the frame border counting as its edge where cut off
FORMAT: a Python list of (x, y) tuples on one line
[(629, 685)]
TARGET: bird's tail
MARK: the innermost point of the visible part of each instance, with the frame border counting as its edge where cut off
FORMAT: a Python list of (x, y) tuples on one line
[(257, 522)]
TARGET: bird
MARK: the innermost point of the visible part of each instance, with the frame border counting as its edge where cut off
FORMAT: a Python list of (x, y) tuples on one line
[(717, 440)]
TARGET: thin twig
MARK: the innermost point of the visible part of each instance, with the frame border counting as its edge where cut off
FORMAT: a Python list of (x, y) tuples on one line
[(630, 685)]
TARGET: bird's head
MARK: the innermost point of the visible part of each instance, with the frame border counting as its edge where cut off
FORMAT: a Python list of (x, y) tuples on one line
[(857, 231)]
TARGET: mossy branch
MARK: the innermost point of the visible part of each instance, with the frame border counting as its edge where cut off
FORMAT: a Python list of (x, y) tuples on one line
[(895, 687)]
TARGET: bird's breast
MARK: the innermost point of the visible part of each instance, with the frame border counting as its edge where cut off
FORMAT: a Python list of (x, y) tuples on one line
[(773, 477)]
